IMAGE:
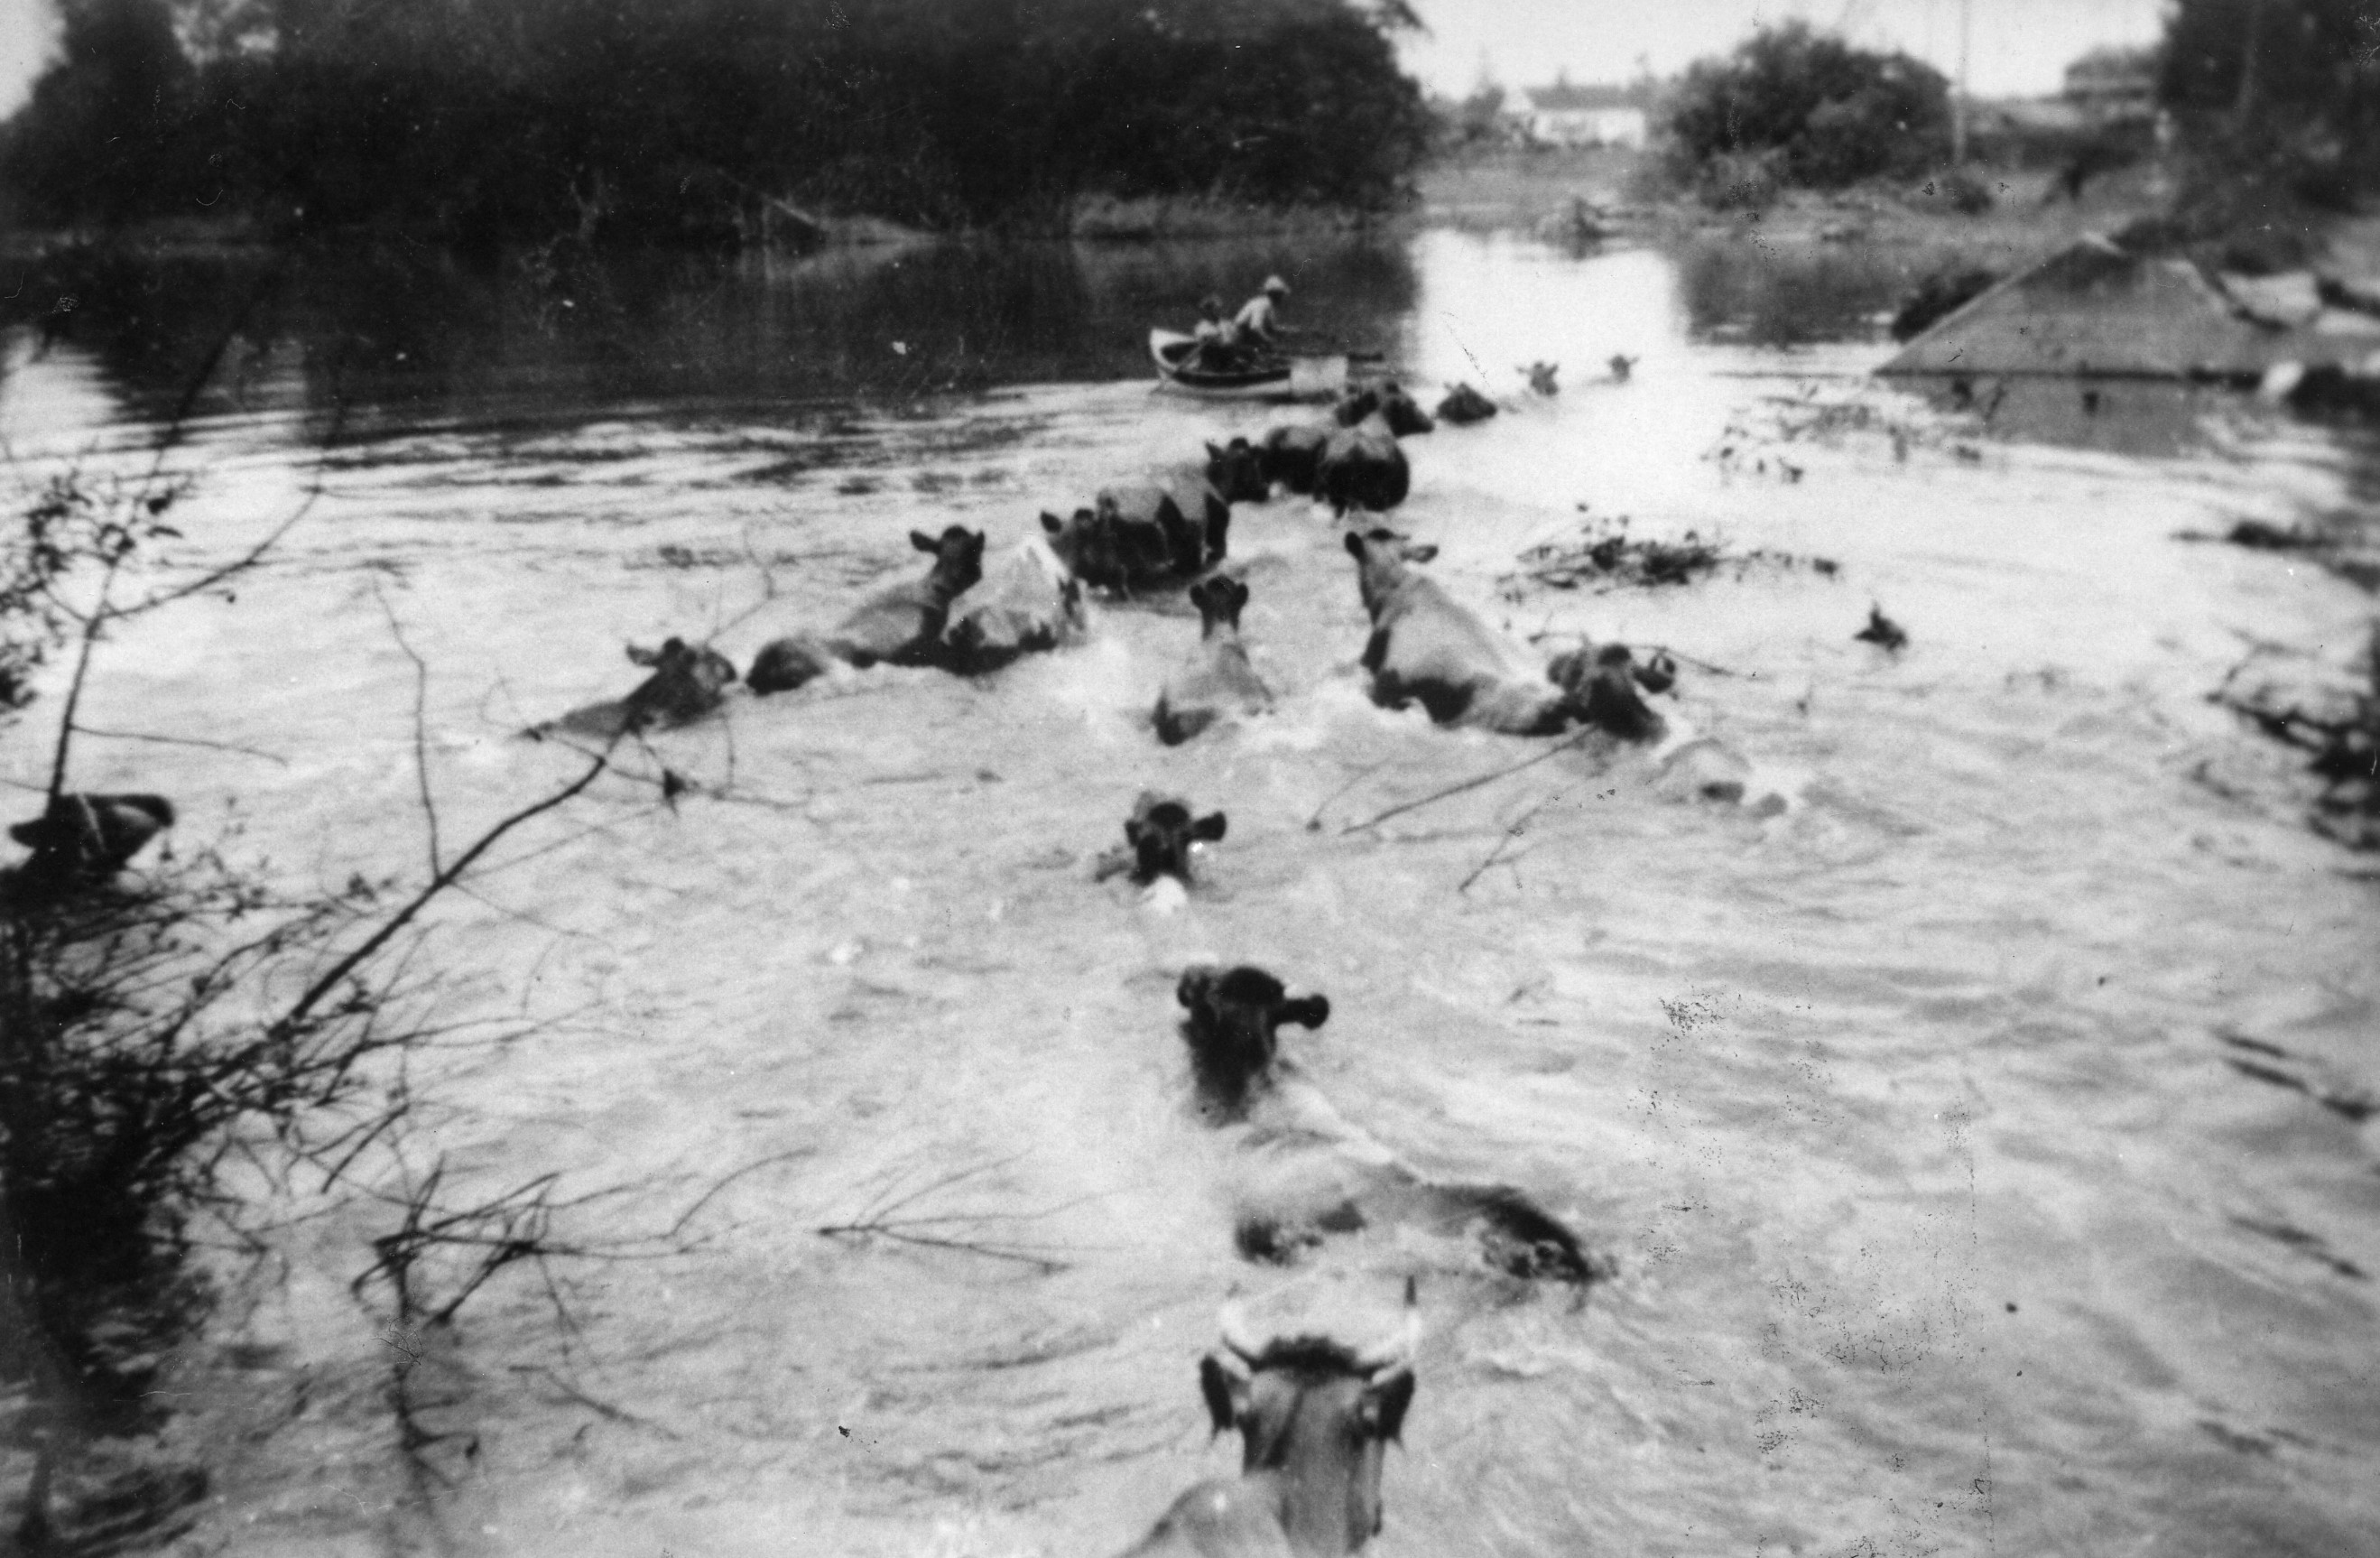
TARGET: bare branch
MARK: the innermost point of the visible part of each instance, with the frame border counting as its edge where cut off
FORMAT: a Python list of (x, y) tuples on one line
[(1553, 752), (420, 738)]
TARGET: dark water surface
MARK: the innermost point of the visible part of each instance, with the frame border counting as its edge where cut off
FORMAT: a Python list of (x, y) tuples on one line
[(1982, 1137)]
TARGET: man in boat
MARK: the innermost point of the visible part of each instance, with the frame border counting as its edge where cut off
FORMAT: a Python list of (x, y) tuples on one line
[(1254, 328)]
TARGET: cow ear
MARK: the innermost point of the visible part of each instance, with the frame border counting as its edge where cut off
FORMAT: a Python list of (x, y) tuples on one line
[(1355, 544), (1226, 1393), (1052, 523), (1209, 827), (639, 655), (979, 541), (1193, 983), (923, 542), (1213, 453), (1133, 829), (1385, 1401), (1309, 1013), (1198, 594), (1421, 554), (1236, 594)]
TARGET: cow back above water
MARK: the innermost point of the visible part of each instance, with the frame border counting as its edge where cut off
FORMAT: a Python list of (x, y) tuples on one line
[(88, 836), (1145, 535), (1217, 679), (1315, 1416), (1362, 466), (1387, 401), (899, 625), (1026, 606), (1292, 454), (1464, 405)]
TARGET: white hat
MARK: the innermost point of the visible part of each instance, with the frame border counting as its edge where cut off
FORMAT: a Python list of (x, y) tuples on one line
[(1274, 284)]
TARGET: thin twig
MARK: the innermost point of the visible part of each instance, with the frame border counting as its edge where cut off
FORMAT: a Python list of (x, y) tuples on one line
[(420, 738), (1550, 752), (181, 741), (1509, 835), (1313, 823)]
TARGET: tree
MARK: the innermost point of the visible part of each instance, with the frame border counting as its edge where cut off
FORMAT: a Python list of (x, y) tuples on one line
[(2299, 79), (1813, 109), (99, 140)]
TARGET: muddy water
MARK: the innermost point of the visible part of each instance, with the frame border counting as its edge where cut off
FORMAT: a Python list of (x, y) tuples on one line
[(1979, 1137)]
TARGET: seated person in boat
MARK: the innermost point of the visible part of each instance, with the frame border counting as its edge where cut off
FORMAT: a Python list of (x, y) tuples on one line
[(1216, 351)]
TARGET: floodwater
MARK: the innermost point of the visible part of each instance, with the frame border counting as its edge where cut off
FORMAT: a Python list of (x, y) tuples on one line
[(1982, 1138)]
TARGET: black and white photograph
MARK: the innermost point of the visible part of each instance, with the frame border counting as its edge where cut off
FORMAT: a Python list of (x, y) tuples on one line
[(1189, 778)]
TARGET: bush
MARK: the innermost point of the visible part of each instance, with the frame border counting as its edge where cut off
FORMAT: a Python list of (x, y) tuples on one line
[(1967, 194), (1829, 114)]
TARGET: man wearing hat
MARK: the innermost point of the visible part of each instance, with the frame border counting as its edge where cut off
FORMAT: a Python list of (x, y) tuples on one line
[(1253, 326)]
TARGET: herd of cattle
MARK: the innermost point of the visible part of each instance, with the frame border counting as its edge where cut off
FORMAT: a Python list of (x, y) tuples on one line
[(1313, 1413)]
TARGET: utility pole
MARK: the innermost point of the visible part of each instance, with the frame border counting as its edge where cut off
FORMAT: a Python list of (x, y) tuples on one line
[(1959, 102)]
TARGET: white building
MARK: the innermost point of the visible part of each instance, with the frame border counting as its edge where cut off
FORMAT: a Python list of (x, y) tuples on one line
[(1564, 115)]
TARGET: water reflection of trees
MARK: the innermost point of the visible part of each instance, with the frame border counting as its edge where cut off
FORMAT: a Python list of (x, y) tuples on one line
[(400, 335)]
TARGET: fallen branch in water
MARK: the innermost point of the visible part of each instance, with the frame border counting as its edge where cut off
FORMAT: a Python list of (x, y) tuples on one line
[(877, 1221), (1505, 772), (1509, 835)]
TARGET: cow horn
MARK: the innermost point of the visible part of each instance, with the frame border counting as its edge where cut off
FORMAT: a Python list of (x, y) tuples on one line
[(1400, 1346), (1233, 1323)]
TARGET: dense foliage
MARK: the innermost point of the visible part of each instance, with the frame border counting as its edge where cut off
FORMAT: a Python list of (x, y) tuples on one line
[(1799, 106), (2290, 87), (490, 121)]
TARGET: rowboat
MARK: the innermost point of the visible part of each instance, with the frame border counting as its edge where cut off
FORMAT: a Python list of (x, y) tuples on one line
[(1268, 377)]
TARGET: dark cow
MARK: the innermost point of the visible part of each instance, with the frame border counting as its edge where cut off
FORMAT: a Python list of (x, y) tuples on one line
[(1428, 648), (1464, 406), (87, 836), (1387, 400), (1621, 365), (1291, 453), (1601, 686), (1145, 535), (1229, 1029), (1158, 837), (1361, 467), (1217, 679), (1541, 377), (689, 681), (1882, 631), (1028, 606), (1315, 1416), (1237, 472), (901, 625)]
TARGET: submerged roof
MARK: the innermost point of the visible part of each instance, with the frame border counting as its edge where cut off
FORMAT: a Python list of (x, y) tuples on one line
[(2097, 309)]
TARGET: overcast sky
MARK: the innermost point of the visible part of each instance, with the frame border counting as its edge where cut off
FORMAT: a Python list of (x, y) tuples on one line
[(2019, 45)]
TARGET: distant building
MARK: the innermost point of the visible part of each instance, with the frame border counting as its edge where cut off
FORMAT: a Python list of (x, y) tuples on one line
[(2113, 83), (1564, 115)]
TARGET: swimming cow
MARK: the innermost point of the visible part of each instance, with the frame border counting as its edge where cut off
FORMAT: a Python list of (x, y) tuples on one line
[(901, 625), (1315, 1416), (1148, 535), (1217, 679), (1387, 400), (1428, 648), (1362, 466), (1028, 606), (1157, 838), (84, 836), (1236, 472), (1291, 453), (689, 681), (1464, 406), (1229, 1029)]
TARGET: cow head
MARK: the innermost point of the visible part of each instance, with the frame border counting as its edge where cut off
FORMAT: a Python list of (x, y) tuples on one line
[(1622, 366), (1354, 405), (1219, 601), (1317, 1415), (958, 560), (685, 683), (1541, 377), (1160, 831), (1380, 556), (1236, 472), (1229, 1029), (1600, 686)]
